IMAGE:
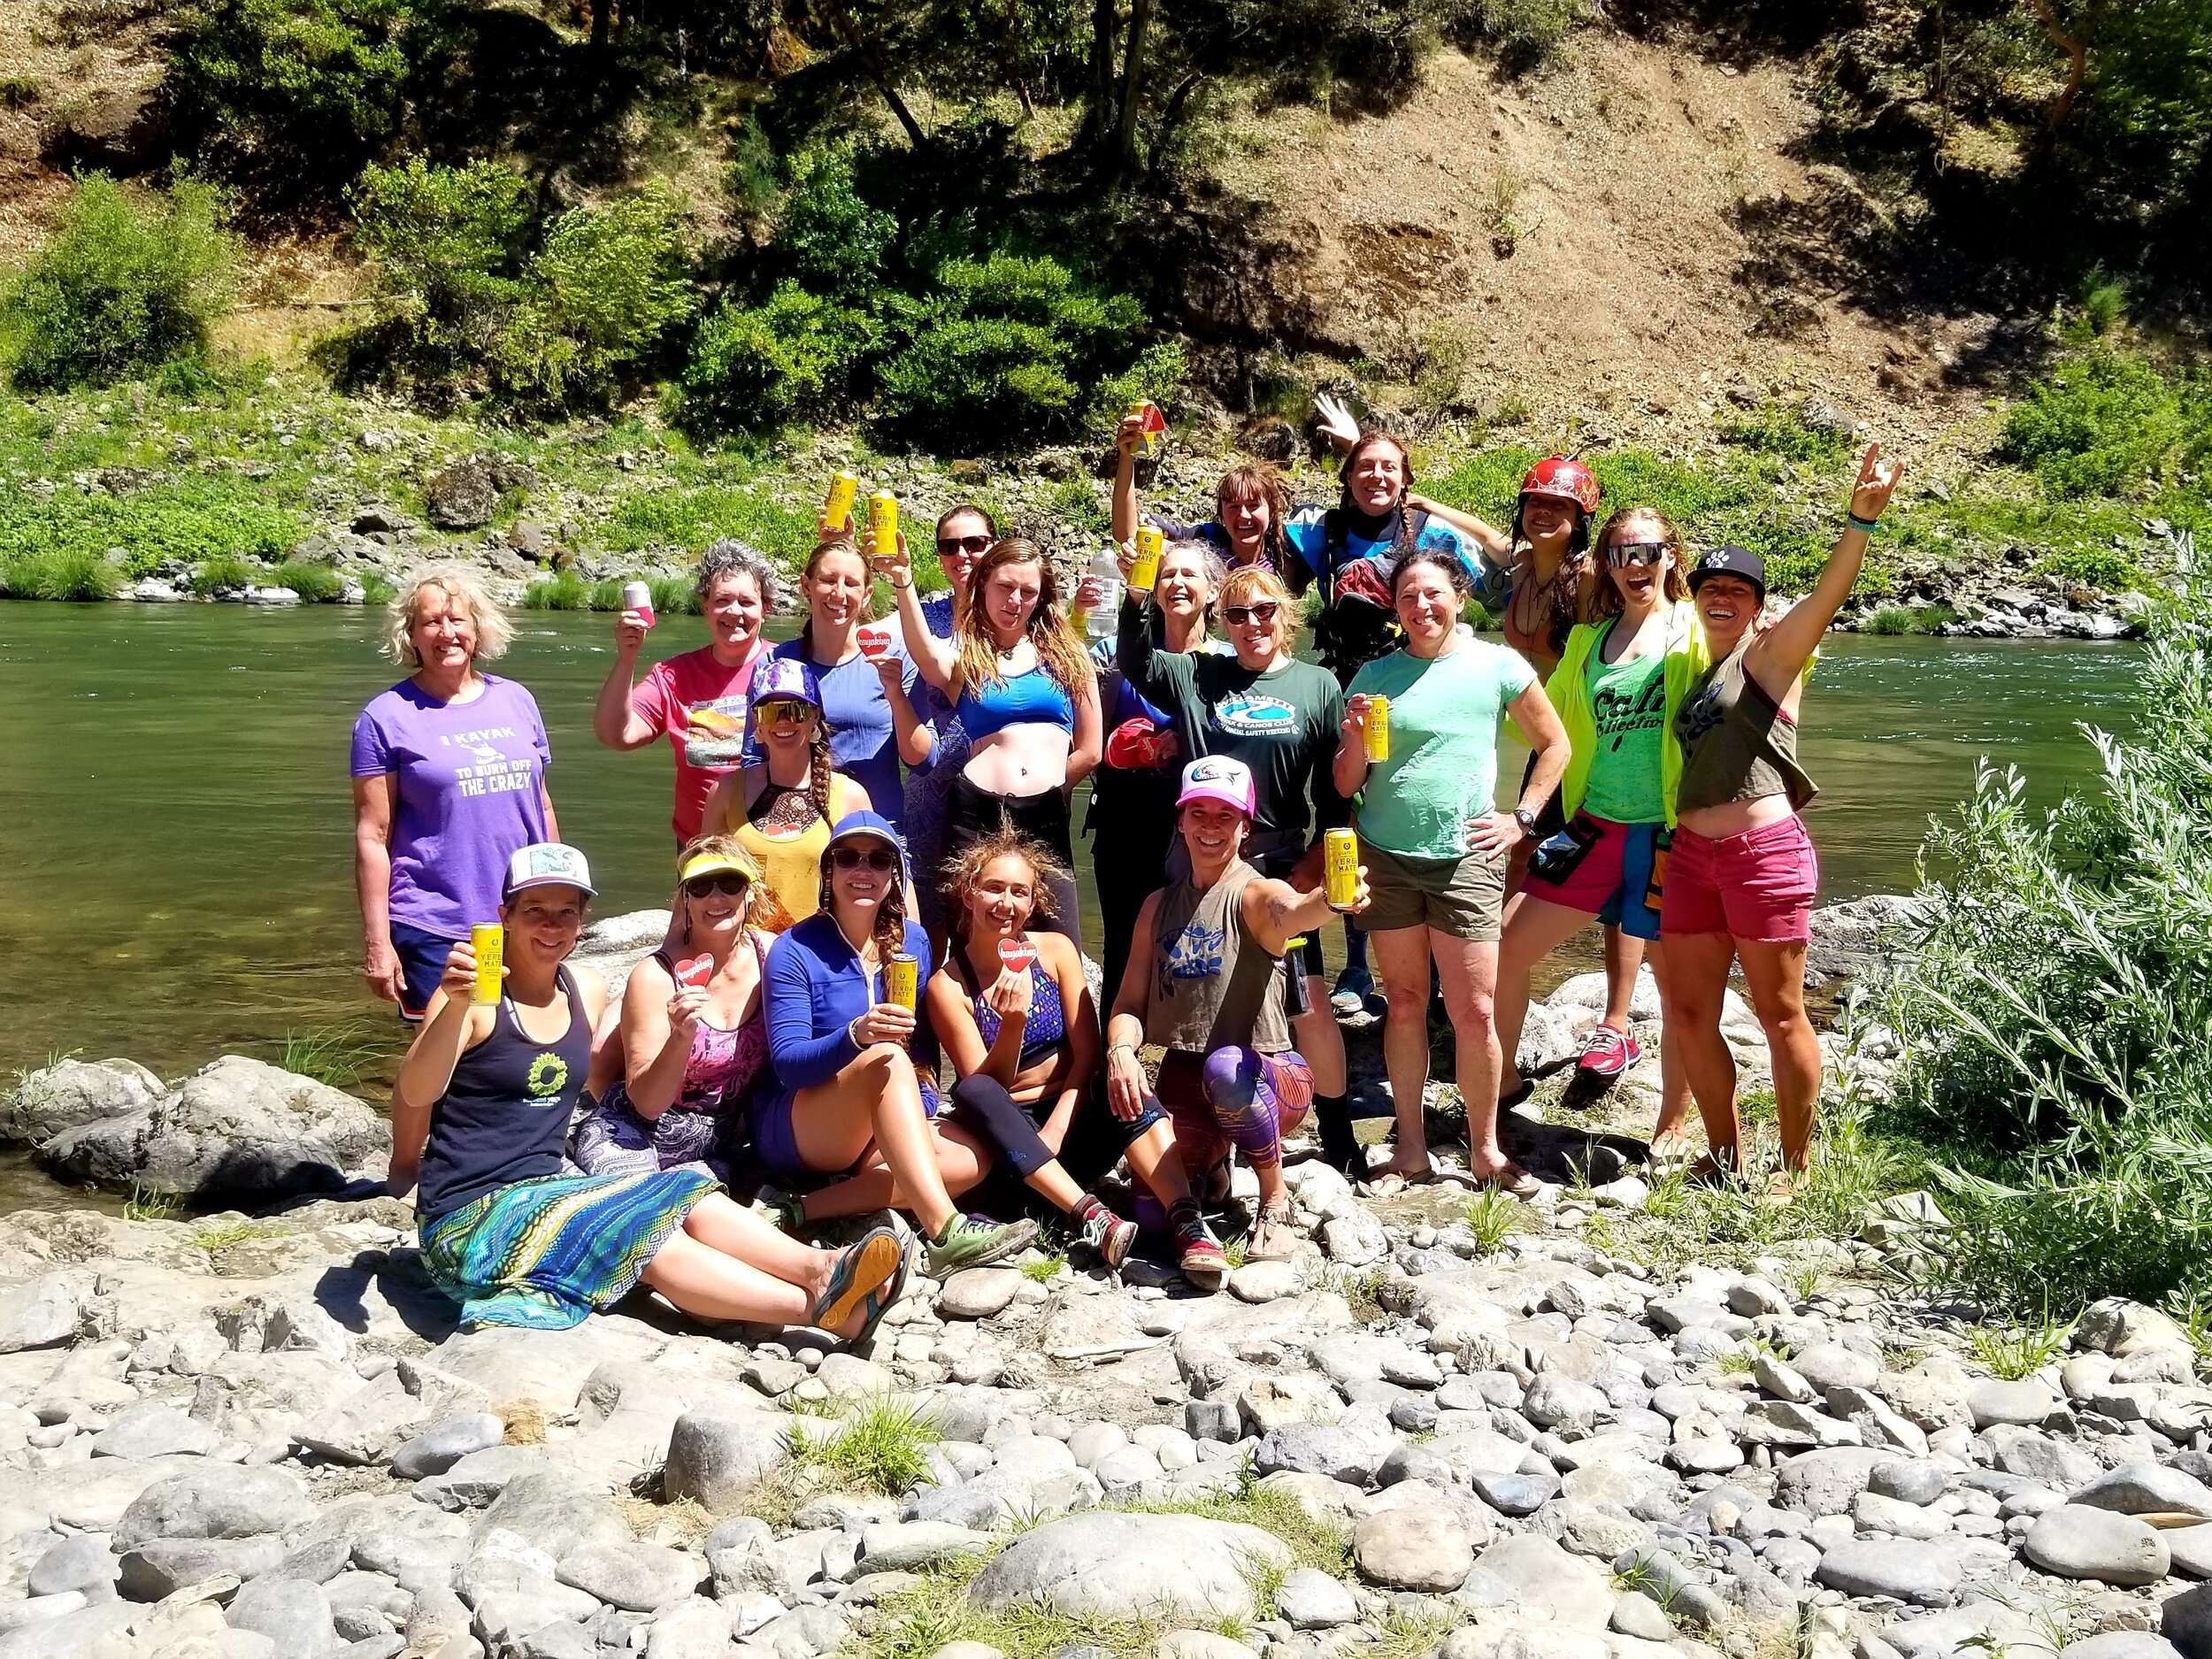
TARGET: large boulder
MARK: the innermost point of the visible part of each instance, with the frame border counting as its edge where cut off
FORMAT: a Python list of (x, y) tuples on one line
[(1107, 1566), (464, 495), (70, 1093), (236, 1127)]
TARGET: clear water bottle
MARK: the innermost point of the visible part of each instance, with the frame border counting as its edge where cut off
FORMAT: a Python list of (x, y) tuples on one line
[(1104, 617)]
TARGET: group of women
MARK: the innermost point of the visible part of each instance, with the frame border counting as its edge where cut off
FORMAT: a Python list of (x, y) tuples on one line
[(769, 1035)]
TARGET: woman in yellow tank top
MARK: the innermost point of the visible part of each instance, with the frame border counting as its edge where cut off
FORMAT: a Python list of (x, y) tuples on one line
[(781, 807)]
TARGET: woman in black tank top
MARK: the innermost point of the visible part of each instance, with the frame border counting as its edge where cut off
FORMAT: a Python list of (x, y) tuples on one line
[(479, 1114)]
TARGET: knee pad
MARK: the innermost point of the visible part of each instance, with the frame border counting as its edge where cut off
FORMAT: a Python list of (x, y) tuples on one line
[(1003, 1122)]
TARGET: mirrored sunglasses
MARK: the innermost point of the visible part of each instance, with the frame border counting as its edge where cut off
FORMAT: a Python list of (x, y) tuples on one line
[(1623, 553)]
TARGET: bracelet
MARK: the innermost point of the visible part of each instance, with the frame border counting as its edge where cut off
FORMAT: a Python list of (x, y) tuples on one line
[(1117, 1047), (852, 1035), (1867, 524)]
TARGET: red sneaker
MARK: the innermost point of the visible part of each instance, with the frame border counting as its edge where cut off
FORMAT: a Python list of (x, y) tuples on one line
[(1611, 1052), (1202, 1258)]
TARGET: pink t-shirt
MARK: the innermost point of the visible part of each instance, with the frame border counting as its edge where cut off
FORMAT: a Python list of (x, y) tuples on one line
[(701, 706)]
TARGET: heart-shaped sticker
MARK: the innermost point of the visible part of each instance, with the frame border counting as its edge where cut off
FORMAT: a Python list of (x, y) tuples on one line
[(694, 974), (1016, 954), (874, 642)]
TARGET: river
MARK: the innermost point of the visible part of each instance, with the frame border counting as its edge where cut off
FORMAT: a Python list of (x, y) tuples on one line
[(175, 832)]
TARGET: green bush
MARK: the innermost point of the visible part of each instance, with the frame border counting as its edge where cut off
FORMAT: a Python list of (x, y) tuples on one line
[(2052, 1013), (293, 96), (1527, 33), (125, 284), (169, 523), (1899, 619), (57, 575), (2104, 422), (226, 573), (1001, 347), (315, 584), (609, 283), (449, 244), (788, 359), (1775, 430), (827, 237), (564, 592)]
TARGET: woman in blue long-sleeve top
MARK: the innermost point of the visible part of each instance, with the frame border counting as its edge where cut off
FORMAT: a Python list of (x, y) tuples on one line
[(845, 1102)]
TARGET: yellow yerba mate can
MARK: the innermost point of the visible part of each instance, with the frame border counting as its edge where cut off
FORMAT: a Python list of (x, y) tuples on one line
[(1144, 570), (837, 512), (490, 942), (1339, 852), (1378, 728), (902, 980), (883, 525)]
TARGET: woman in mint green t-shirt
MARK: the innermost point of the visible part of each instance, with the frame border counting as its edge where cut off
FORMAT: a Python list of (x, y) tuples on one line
[(1436, 849), (1609, 864)]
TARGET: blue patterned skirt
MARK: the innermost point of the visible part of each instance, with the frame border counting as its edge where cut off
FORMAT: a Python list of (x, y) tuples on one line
[(545, 1252)]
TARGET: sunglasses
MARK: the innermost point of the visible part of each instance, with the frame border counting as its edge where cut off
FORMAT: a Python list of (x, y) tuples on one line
[(877, 858), (1262, 612), (948, 545), (1623, 553), (786, 711), (727, 882)]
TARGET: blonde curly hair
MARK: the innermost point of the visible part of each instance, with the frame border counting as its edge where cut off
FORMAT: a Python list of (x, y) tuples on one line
[(494, 632)]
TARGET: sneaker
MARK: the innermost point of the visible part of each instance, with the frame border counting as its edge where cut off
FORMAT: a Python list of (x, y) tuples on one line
[(975, 1242), (1201, 1256), (783, 1211), (1611, 1052), (1111, 1236), (1354, 986)]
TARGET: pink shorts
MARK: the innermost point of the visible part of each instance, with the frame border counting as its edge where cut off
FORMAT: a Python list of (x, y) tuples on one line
[(1758, 884)]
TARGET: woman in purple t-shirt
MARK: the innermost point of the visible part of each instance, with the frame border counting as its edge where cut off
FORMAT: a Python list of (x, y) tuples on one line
[(449, 782)]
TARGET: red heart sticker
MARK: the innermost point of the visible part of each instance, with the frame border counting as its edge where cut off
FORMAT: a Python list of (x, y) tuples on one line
[(694, 974), (874, 642), (1016, 954)]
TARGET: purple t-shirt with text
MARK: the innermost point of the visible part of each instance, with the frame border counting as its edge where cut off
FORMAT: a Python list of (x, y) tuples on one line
[(470, 793)]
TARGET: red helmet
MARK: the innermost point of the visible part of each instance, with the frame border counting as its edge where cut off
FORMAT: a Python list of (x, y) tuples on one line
[(1568, 479)]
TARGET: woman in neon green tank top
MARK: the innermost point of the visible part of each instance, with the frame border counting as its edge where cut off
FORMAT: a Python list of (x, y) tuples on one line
[(1613, 693)]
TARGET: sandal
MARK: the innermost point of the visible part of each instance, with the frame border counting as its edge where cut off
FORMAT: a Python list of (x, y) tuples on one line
[(1271, 1240), (878, 1301), (861, 1268), (1390, 1183), (1512, 1181)]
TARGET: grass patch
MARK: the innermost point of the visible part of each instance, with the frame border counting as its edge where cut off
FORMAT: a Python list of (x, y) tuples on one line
[(919, 1621), (63, 574), (2019, 1350), (1041, 1272), (145, 1205), (1312, 1543), (564, 592), (879, 1445), (215, 1238), (315, 584), (1359, 1288), (337, 1054), (226, 574), (377, 588), (1900, 620), (1493, 1216), (1773, 429)]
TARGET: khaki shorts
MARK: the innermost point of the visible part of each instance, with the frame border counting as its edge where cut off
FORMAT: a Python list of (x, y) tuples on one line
[(1463, 897)]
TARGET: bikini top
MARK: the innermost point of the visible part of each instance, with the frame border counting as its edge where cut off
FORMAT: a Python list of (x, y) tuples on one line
[(1047, 1029), (1031, 698)]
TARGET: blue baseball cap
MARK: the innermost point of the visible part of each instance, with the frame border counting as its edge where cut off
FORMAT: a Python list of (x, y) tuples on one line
[(854, 825)]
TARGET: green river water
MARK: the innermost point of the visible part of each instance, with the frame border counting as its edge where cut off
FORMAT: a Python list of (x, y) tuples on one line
[(176, 840)]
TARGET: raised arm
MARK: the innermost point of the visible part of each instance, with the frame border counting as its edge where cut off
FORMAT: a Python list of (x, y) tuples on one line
[(426, 1072), (1349, 770), (614, 719), (939, 660), (953, 1017), (916, 737), (1275, 912), (1779, 655), (659, 1023), (1124, 507), (1496, 545), (1162, 676)]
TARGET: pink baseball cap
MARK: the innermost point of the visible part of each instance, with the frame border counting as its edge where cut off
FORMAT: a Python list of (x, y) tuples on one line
[(1219, 778)]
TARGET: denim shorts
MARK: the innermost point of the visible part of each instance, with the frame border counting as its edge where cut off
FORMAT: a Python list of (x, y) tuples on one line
[(421, 964)]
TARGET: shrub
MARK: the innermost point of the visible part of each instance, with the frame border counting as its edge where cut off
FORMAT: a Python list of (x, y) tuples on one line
[(2104, 421), (292, 95), (564, 592), (826, 236), (1002, 346), (123, 286), (1895, 619), (1775, 430), (1527, 31), (448, 243), (315, 584), (58, 575), (598, 296), (788, 359), (2052, 1013), (226, 573)]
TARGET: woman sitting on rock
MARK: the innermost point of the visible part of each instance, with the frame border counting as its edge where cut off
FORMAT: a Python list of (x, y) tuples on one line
[(694, 1037), (1207, 982), (1742, 875), (479, 1117), (1438, 847), (847, 1101), (781, 807), (1014, 1010)]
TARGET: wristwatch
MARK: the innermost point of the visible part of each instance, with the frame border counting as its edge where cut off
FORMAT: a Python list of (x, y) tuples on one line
[(1527, 819)]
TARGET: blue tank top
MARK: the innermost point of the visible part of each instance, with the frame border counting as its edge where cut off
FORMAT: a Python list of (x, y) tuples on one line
[(504, 1117), (1033, 698), (1047, 1025)]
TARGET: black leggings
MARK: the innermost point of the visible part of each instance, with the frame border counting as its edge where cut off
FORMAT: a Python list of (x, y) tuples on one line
[(972, 813), (1094, 1144)]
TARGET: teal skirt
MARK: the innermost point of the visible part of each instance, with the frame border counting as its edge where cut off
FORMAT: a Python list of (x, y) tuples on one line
[(545, 1252)]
